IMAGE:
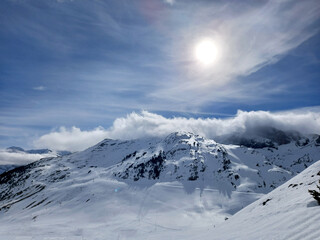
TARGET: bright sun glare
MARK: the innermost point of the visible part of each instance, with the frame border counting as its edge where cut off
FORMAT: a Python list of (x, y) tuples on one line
[(206, 52)]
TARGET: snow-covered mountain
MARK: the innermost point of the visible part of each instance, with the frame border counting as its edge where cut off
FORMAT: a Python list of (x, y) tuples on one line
[(144, 188)]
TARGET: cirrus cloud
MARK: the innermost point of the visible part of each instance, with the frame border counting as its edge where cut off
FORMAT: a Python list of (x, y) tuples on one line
[(249, 37)]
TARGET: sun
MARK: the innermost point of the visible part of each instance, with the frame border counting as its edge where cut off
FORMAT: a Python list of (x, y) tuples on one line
[(206, 52)]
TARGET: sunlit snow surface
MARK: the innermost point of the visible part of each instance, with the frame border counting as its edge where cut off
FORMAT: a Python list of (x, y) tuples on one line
[(178, 187), (288, 212)]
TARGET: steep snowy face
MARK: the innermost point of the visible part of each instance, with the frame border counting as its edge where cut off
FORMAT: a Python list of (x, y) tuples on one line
[(288, 212), (178, 157)]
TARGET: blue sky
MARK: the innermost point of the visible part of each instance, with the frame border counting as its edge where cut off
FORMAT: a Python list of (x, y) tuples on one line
[(86, 63)]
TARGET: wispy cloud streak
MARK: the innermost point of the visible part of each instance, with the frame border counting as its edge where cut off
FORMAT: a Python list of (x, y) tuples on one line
[(249, 37)]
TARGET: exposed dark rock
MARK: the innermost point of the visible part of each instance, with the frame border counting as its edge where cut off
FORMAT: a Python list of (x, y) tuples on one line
[(265, 202), (150, 169)]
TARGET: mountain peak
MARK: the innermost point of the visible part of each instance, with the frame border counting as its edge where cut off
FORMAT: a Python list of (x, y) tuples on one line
[(15, 149)]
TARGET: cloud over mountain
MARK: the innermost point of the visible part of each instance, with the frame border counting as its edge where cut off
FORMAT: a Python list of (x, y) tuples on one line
[(144, 124), (20, 158)]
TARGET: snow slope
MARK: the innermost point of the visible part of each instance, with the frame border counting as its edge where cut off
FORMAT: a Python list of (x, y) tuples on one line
[(288, 212), (143, 189)]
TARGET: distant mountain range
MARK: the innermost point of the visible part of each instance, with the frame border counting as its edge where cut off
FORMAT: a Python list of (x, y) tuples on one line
[(37, 151), (149, 188), (13, 157)]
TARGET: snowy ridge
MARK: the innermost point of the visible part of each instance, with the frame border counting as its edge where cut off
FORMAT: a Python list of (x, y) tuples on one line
[(129, 189)]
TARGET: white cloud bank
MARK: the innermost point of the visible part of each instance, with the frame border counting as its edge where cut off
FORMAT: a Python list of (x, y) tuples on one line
[(146, 124), (73, 139), (20, 158)]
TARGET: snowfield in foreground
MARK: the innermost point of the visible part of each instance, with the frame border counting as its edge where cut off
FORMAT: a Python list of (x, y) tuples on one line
[(178, 187), (288, 212)]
